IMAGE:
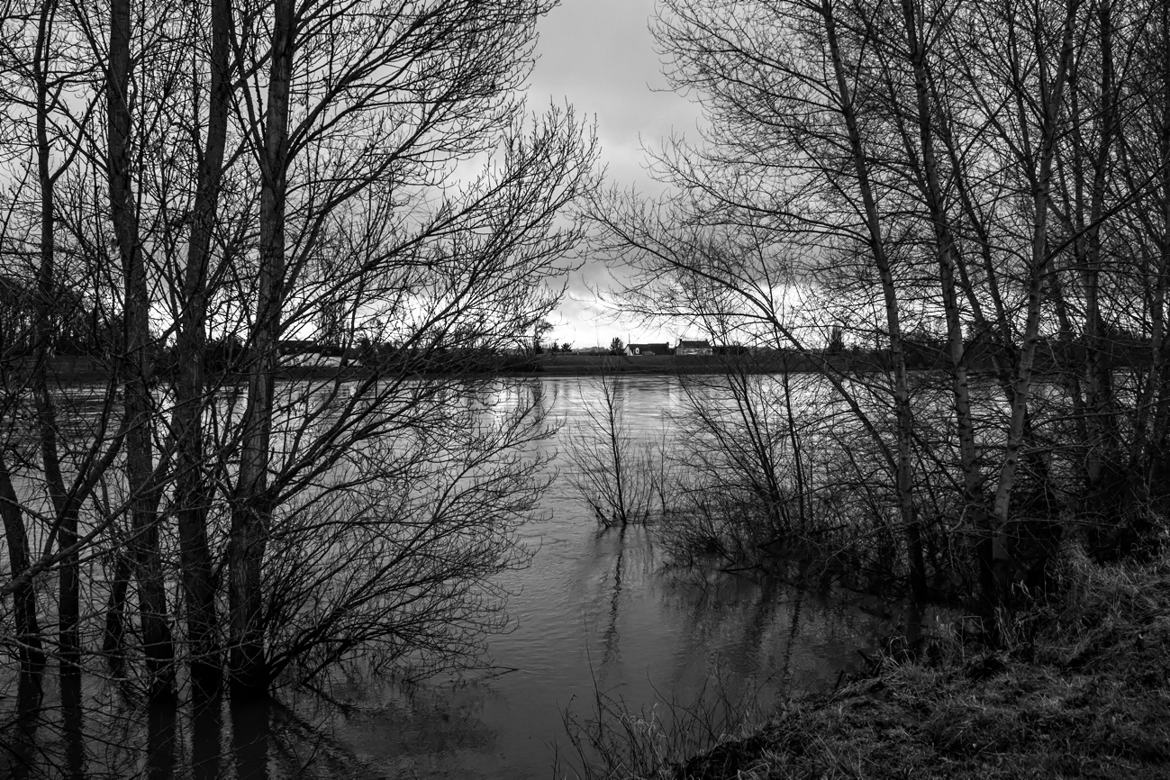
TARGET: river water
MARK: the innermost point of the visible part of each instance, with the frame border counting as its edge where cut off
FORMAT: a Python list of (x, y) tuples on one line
[(604, 612), (596, 616)]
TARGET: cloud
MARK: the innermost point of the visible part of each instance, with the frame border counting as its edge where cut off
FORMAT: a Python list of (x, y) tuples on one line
[(599, 56)]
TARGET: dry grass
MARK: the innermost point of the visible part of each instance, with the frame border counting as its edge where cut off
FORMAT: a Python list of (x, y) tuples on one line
[(1084, 692)]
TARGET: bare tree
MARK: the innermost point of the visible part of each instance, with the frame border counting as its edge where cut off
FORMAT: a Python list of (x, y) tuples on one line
[(612, 470), (745, 437), (324, 173), (192, 493), (406, 100), (910, 168)]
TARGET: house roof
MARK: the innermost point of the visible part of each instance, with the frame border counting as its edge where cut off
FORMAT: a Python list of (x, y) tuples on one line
[(698, 343)]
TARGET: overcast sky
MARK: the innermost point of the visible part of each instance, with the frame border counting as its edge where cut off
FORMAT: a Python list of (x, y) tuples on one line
[(600, 57)]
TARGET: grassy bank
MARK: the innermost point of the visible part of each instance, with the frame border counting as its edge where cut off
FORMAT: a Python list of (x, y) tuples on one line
[(1083, 690)]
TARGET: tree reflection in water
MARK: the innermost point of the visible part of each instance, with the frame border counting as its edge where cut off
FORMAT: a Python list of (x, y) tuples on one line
[(610, 638), (200, 737), (251, 724)]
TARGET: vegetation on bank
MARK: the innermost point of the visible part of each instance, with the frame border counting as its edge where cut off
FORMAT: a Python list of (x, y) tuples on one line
[(1082, 689), (994, 177), (1073, 681)]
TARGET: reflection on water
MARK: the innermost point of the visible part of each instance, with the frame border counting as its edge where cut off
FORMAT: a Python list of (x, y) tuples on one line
[(593, 610)]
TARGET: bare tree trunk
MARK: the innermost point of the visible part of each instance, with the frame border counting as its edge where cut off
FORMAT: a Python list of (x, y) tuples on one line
[(113, 637), (20, 733), (945, 249), (192, 492), (904, 416), (252, 512), (1100, 380), (1051, 102), (144, 543), (32, 657), (1092, 409), (69, 649), (30, 652), (65, 511)]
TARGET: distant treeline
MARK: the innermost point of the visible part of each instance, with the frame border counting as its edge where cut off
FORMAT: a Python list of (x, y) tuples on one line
[(228, 356)]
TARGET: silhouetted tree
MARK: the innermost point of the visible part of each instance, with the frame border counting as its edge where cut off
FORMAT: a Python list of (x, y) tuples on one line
[(209, 181)]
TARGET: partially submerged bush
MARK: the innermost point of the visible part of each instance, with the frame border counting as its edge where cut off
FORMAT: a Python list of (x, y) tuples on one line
[(622, 479), (615, 742)]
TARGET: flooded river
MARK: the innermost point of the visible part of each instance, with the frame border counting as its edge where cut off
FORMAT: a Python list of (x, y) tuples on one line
[(595, 616), (604, 612)]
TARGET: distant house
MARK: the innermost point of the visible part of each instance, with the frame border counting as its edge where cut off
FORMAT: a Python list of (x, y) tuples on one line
[(700, 347), (648, 349)]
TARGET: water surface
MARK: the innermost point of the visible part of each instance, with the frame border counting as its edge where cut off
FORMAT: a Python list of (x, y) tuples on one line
[(604, 612), (594, 614)]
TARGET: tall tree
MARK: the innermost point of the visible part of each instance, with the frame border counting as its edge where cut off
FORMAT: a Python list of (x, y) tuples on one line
[(898, 167), (192, 493), (136, 363)]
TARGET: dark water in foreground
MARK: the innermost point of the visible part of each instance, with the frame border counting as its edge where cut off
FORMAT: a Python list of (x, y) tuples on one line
[(593, 613)]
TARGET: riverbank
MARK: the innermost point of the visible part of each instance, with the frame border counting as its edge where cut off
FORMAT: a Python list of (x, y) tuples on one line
[(81, 368), (69, 368), (1082, 691)]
